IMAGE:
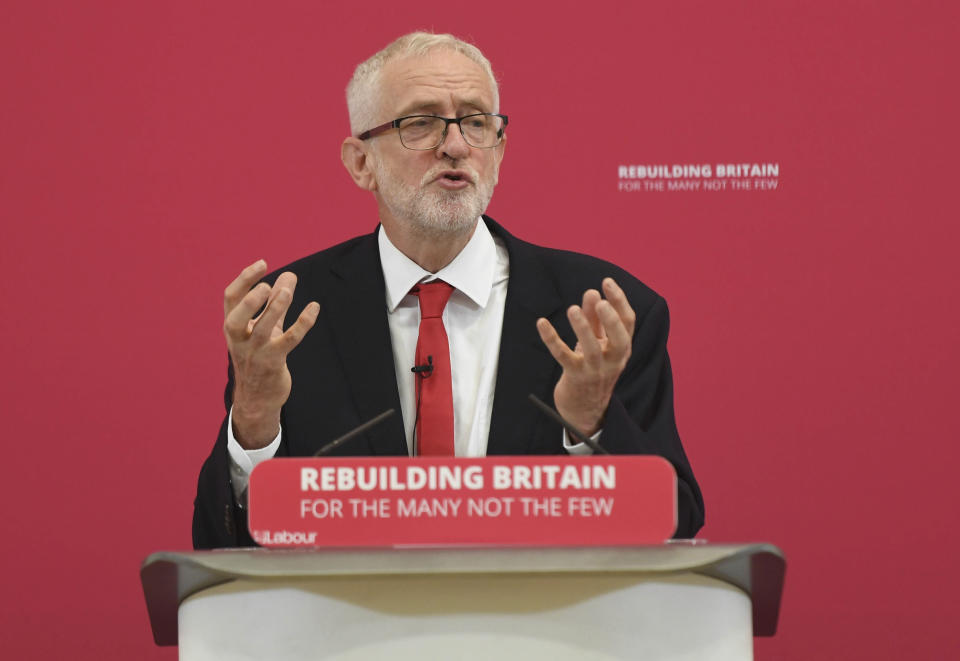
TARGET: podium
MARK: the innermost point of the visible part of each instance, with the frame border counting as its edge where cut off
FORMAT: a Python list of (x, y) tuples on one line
[(679, 600)]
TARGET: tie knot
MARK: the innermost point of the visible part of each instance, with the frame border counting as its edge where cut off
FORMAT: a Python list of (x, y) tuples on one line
[(433, 297)]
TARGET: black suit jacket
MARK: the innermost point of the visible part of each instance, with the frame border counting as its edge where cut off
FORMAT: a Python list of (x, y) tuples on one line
[(343, 373)]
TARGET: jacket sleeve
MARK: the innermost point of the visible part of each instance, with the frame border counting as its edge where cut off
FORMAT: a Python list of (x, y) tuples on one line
[(640, 417), (218, 520)]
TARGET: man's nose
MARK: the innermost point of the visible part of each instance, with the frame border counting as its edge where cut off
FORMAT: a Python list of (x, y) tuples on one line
[(453, 145)]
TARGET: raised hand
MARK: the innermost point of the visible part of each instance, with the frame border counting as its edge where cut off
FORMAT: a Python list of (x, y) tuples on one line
[(604, 330), (258, 347)]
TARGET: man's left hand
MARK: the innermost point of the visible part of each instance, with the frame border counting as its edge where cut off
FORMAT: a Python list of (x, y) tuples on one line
[(604, 330)]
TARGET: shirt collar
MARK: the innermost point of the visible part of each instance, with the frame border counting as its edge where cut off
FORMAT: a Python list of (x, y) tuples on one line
[(471, 271)]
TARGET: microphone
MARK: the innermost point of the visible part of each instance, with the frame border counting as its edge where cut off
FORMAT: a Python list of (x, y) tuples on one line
[(356, 431), (424, 370), (573, 431)]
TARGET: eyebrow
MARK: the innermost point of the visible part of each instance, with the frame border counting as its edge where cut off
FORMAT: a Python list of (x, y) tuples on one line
[(433, 107)]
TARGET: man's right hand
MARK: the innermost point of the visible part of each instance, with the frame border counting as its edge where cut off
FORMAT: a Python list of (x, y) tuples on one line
[(258, 349)]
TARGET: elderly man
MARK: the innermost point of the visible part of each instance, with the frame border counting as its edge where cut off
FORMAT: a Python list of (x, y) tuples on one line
[(440, 313)]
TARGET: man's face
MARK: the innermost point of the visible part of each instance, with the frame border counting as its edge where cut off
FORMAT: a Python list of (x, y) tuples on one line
[(444, 190)]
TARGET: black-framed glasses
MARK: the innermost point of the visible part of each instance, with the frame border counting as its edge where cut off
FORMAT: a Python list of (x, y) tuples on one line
[(482, 130)]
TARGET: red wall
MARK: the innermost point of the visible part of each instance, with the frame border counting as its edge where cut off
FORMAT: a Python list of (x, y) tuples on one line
[(148, 151)]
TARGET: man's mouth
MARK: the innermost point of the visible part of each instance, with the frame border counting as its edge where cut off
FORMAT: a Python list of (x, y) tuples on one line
[(453, 179)]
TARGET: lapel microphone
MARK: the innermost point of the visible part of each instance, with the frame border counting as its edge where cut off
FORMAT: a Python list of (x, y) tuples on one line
[(424, 370)]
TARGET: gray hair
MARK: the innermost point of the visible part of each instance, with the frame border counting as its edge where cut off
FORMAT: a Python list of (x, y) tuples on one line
[(363, 90)]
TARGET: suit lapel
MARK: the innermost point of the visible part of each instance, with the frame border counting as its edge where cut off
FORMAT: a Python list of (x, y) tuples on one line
[(525, 365), (356, 309)]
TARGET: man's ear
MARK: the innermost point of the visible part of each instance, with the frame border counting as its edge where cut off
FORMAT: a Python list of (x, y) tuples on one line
[(353, 154), (499, 157)]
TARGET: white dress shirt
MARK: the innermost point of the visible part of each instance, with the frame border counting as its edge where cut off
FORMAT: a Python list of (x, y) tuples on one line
[(473, 319)]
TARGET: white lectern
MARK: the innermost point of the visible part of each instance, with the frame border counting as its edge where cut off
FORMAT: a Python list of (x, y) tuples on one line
[(674, 601)]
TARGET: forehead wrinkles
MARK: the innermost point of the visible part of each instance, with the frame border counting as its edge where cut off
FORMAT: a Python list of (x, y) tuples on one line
[(435, 79)]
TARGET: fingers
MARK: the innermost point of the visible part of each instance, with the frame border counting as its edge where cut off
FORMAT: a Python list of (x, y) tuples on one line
[(603, 327), (240, 324), (285, 282), (590, 299), (619, 301), (298, 330), (237, 323), (273, 315), (588, 344), (241, 285), (618, 339), (555, 344), (583, 328)]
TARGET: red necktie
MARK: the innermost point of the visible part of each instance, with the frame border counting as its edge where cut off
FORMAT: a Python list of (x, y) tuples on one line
[(434, 386)]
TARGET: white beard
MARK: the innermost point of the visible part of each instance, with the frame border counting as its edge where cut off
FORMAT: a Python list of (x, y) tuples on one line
[(434, 212)]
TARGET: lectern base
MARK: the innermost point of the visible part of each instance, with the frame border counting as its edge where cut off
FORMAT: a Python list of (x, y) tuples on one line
[(489, 617)]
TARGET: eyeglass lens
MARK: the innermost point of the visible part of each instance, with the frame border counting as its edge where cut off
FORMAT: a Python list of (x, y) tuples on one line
[(427, 132)]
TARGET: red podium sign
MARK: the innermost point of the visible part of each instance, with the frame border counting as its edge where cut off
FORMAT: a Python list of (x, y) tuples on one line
[(436, 501)]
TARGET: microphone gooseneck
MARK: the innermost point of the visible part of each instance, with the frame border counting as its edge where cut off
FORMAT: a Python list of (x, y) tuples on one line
[(573, 431), (353, 433)]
